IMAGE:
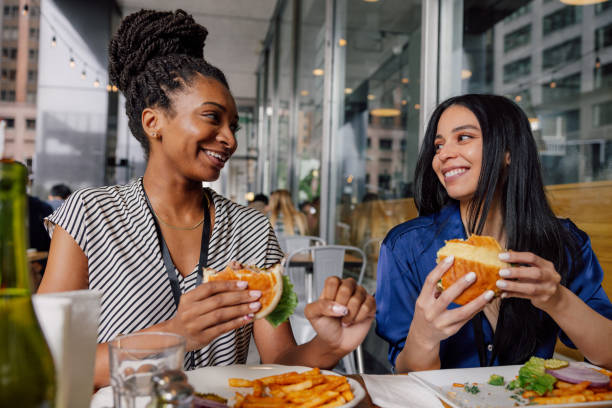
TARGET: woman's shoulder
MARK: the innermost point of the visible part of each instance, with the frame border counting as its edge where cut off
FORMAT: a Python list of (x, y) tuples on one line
[(581, 238), (234, 210), (106, 194)]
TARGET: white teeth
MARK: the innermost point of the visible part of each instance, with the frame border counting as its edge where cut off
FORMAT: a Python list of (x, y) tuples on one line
[(454, 172), (216, 155)]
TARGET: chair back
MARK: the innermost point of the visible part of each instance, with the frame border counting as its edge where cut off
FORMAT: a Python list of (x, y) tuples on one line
[(327, 260), (290, 243)]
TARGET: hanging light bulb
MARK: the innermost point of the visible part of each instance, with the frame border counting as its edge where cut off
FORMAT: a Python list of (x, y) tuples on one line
[(96, 83), (597, 62), (25, 10), (53, 41), (72, 63), (518, 98), (553, 84), (115, 89), (109, 88)]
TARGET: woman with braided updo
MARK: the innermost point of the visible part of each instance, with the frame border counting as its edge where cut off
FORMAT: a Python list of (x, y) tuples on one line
[(144, 244)]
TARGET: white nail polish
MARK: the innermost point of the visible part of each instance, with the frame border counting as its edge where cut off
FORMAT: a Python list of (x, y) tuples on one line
[(338, 309), (504, 256), (242, 284), (504, 295), (255, 294), (504, 273), (489, 295), (501, 284), (254, 305), (470, 277), (449, 259)]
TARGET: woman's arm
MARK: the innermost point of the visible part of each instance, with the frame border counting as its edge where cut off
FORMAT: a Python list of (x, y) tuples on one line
[(539, 282), (341, 317), (433, 322)]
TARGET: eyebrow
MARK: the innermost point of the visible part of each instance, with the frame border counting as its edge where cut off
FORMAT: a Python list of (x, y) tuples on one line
[(465, 127), (218, 105)]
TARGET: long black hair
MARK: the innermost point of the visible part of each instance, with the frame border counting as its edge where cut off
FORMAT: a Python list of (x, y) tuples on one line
[(153, 54), (528, 219)]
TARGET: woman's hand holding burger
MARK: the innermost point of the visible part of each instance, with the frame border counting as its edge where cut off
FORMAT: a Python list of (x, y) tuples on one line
[(342, 315), (433, 321), (535, 279)]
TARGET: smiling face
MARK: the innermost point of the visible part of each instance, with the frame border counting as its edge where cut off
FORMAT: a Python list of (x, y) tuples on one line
[(198, 136), (458, 158)]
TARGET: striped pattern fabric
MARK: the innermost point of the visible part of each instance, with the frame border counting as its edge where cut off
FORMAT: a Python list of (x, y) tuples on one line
[(116, 231)]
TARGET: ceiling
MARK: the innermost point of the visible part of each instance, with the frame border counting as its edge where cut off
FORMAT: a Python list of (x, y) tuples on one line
[(236, 31)]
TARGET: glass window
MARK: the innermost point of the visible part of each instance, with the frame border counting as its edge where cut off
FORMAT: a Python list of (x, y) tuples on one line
[(601, 7), (517, 38), (602, 114), (521, 11), (603, 76), (309, 101), (567, 51), (385, 144), (33, 54), (517, 69), (566, 87), (560, 19), (9, 122), (31, 124), (603, 37)]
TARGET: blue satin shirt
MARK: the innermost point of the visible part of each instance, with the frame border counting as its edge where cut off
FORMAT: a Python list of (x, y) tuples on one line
[(408, 254)]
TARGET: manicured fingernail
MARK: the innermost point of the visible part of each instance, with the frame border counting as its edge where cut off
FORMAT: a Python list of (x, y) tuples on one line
[(339, 309), (255, 294), (504, 273), (470, 277), (504, 256), (254, 305), (449, 259), (504, 295), (489, 295), (501, 283), (242, 284), (249, 316)]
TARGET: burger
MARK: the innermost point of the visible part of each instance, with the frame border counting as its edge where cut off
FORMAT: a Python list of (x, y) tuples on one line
[(478, 254), (278, 300)]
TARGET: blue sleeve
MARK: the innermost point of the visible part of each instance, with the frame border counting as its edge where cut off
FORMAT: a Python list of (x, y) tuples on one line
[(586, 283), (397, 288)]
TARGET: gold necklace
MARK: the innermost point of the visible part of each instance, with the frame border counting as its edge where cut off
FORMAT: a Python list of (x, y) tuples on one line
[(185, 228)]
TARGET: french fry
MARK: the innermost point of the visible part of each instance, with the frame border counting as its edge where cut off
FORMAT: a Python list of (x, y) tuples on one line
[(309, 389), (239, 382), (560, 400)]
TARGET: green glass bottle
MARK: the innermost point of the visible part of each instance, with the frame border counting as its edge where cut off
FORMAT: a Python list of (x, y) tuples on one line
[(27, 373)]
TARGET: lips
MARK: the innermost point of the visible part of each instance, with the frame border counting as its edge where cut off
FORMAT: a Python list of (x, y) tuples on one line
[(218, 159)]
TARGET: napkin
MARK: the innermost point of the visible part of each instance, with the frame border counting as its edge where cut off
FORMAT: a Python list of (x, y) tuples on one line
[(399, 391), (69, 321)]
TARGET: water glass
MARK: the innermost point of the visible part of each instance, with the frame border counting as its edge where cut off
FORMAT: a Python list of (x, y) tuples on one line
[(135, 359)]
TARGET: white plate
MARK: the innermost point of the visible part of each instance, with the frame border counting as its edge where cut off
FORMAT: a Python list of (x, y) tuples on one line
[(441, 383), (214, 379)]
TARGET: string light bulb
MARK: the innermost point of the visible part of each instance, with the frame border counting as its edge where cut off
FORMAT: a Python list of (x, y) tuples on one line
[(25, 10), (96, 83), (72, 63), (53, 41), (109, 88), (115, 89), (597, 62), (553, 84)]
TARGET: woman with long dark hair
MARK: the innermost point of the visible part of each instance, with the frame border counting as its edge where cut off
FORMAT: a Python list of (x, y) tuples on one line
[(145, 244), (478, 172)]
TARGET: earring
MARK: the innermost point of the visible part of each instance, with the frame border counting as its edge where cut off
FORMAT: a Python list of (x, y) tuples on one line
[(154, 135)]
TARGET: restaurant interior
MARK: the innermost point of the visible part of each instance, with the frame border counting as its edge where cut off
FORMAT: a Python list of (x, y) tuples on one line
[(333, 98)]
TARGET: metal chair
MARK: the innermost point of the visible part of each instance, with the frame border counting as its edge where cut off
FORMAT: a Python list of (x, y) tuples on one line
[(290, 243), (327, 260)]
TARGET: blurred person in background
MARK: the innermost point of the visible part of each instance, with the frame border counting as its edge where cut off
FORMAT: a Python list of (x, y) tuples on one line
[(57, 195), (154, 236), (284, 217), (260, 201)]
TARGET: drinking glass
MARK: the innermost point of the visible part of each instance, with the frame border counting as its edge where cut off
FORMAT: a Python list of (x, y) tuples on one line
[(135, 358)]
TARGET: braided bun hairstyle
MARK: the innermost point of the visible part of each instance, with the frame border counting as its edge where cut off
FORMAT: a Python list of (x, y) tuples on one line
[(153, 54)]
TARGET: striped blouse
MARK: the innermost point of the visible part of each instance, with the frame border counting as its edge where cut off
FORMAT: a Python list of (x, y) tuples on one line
[(116, 231)]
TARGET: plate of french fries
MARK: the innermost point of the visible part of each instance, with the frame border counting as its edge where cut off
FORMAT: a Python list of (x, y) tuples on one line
[(471, 388), (271, 385)]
